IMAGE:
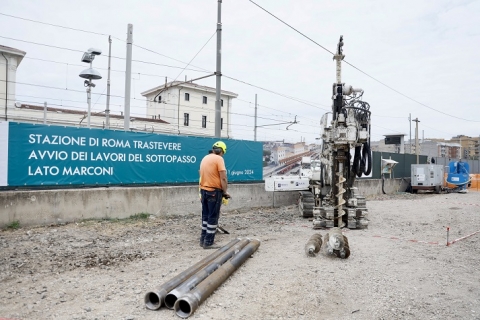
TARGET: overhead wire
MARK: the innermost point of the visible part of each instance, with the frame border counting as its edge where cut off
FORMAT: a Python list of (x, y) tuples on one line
[(196, 54), (143, 100), (113, 96), (57, 25), (152, 51), (140, 61), (363, 72), (174, 104)]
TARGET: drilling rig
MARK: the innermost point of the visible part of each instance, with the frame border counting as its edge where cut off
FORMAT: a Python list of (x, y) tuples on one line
[(326, 186)]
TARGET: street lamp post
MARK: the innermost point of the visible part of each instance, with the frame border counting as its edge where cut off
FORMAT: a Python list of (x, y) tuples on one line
[(90, 74)]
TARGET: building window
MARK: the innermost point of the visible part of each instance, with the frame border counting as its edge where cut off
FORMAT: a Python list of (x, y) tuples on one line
[(221, 102), (204, 100), (204, 121), (221, 123), (186, 119), (159, 99), (187, 96)]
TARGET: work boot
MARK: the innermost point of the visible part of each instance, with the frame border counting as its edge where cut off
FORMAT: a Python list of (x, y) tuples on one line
[(213, 246)]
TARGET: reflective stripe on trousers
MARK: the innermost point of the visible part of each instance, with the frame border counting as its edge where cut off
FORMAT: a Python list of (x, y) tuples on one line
[(211, 202)]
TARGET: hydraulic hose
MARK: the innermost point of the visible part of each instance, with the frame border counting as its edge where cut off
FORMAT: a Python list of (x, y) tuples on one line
[(356, 161), (362, 160), (367, 156)]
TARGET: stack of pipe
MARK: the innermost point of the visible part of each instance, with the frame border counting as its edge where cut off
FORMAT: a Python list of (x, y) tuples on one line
[(186, 291)]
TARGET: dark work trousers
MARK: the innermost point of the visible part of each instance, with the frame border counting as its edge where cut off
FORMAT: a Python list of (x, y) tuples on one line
[(211, 202)]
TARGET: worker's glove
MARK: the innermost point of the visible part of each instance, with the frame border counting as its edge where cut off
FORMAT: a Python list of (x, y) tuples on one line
[(225, 198)]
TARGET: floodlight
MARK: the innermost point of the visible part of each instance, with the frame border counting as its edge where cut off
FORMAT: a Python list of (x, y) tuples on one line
[(88, 57), (90, 74), (95, 51)]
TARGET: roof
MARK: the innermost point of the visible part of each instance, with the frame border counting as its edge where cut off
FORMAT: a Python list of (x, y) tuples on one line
[(190, 85), (13, 51), (69, 111)]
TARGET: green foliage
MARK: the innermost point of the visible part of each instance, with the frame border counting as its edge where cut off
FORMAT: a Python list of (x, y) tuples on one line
[(140, 216), (14, 225)]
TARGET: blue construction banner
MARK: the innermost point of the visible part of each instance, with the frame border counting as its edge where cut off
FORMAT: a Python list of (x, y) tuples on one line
[(43, 155)]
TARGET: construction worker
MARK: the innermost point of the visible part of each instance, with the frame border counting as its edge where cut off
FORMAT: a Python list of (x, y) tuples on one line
[(213, 187)]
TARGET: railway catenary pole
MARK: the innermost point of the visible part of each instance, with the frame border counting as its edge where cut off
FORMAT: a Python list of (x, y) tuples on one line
[(218, 109), (128, 78)]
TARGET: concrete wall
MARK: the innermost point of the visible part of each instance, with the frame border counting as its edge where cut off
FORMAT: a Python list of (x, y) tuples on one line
[(42, 207)]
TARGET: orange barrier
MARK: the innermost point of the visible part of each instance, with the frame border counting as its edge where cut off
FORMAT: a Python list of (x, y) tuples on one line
[(474, 182)]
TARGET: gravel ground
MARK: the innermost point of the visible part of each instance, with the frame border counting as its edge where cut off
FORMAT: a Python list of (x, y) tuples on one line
[(399, 268)]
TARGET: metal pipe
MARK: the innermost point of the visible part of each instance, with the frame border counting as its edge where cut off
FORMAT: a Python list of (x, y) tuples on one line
[(156, 298), (186, 305), (198, 277)]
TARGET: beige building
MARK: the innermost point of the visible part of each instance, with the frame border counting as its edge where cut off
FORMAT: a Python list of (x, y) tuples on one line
[(174, 108), (278, 153), (189, 108), (470, 146)]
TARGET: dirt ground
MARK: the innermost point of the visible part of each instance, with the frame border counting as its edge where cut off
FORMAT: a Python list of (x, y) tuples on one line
[(399, 268)]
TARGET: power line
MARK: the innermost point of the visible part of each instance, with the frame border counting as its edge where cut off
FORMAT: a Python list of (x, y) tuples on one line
[(196, 54), (173, 104), (371, 77), (122, 71), (75, 50), (140, 61), (58, 26), (271, 91), (291, 27), (152, 63)]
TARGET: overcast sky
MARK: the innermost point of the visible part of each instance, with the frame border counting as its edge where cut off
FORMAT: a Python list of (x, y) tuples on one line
[(410, 57)]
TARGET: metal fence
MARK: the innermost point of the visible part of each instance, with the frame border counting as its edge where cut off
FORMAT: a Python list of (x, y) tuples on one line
[(401, 170), (405, 160), (474, 164)]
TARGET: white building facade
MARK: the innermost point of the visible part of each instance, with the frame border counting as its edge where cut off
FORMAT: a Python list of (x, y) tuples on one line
[(189, 108), (10, 58), (278, 153)]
